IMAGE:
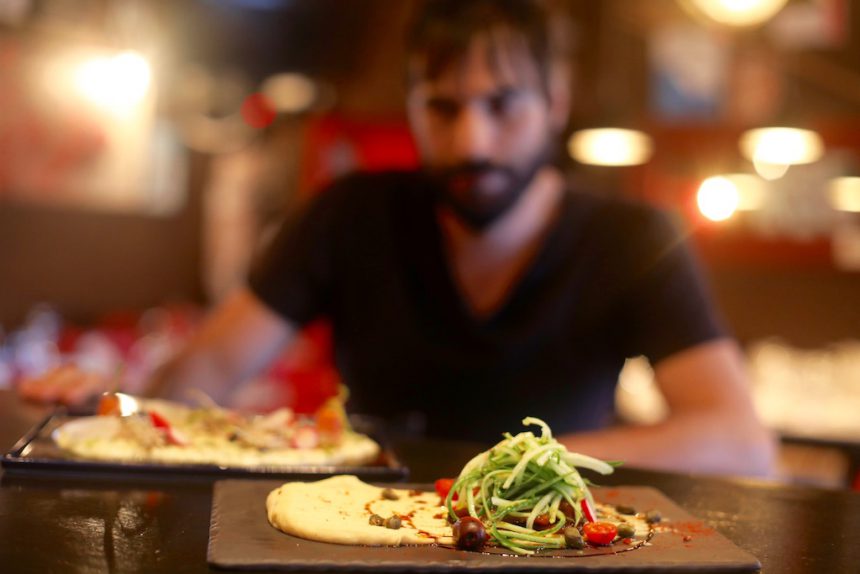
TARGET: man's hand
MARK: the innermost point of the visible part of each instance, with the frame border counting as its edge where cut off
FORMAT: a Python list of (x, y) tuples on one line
[(239, 340), (67, 385), (712, 426)]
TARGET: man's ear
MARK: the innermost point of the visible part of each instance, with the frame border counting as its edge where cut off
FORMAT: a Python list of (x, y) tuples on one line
[(559, 92)]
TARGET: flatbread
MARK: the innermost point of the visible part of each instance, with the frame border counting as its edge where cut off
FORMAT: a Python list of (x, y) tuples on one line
[(338, 510), (209, 437)]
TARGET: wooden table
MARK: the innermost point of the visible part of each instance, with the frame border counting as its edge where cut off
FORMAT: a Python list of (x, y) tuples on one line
[(79, 525)]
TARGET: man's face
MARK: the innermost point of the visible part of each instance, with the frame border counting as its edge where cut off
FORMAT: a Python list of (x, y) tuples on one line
[(483, 128)]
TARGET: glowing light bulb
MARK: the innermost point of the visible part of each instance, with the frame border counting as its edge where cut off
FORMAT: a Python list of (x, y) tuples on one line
[(751, 190), (718, 198), (737, 12), (610, 146), (116, 83), (844, 194), (772, 150)]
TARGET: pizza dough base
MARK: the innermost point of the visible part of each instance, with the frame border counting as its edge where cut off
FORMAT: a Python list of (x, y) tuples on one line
[(96, 438)]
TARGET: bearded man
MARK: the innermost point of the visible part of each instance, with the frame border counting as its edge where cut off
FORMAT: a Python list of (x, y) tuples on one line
[(481, 289)]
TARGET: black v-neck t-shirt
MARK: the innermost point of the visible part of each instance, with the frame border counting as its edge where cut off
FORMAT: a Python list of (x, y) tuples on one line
[(613, 279)]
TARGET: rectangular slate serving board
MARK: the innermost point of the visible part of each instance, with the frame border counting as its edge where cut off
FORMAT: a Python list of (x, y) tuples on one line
[(240, 537)]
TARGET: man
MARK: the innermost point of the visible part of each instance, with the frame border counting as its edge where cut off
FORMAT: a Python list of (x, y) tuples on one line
[(482, 290)]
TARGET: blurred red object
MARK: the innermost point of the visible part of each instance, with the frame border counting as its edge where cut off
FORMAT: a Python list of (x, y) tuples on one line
[(308, 368), (337, 145), (257, 111)]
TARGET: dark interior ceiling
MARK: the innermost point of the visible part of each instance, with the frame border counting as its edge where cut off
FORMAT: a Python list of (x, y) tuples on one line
[(338, 40), (331, 39), (323, 37)]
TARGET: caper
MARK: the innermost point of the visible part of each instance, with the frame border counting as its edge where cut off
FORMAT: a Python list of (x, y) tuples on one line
[(653, 516), (573, 538), (393, 522), (389, 494), (626, 530), (376, 520), (623, 509)]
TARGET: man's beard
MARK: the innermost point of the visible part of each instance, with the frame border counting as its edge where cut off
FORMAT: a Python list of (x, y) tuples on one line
[(459, 189)]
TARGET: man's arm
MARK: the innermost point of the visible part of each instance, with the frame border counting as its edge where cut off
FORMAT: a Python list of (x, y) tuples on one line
[(239, 340), (712, 426)]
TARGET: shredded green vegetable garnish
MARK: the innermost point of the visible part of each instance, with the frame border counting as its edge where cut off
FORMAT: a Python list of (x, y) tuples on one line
[(520, 479)]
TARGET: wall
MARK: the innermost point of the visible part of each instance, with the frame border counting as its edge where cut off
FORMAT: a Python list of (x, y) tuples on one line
[(91, 263)]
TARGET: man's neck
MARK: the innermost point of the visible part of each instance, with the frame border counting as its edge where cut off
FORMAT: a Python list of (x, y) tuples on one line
[(531, 215), (486, 265)]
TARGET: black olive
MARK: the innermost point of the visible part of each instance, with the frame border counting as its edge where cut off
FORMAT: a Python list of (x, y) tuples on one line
[(389, 494), (469, 533), (392, 522), (622, 509), (653, 516), (376, 520)]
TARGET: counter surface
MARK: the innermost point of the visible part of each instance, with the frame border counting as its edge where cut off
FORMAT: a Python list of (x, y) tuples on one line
[(80, 525)]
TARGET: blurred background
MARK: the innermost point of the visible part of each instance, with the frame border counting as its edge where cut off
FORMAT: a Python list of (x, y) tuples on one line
[(148, 147)]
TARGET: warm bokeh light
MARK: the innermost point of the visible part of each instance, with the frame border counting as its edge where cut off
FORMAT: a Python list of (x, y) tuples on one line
[(738, 12), (610, 146), (289, 92), (718, 198), (751, 190), (781, 146), (844, 194), (115, 83), (770, 171)]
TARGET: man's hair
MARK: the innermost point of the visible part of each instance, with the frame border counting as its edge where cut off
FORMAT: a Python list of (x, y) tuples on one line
[(443, 30)]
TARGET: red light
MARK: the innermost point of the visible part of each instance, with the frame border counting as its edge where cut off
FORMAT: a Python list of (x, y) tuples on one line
[(257, 111)]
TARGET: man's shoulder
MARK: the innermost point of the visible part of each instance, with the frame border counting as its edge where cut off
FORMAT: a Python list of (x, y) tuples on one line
[(618, 214), (378, 183), (360, 204)]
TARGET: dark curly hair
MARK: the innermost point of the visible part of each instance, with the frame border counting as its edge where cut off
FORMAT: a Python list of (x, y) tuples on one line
[(442, 31)]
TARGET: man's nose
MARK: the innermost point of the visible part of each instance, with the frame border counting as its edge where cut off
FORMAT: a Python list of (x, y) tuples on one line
[(473, 135)]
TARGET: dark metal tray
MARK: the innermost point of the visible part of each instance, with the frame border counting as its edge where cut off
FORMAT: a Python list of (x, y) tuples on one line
[(240, 537), (37, 454)]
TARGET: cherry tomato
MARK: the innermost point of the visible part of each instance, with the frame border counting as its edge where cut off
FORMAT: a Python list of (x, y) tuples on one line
[(158, 421), (173, 436), (330, 422), (108, 405), (443, 486), (599, 532)]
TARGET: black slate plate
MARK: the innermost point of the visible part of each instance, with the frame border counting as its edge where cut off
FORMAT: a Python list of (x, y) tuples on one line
[(37, 454), (240, 537)]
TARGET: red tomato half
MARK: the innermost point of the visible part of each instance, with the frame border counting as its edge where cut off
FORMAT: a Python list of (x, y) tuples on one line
[(173, 436), (108, 405), (599, 532), (158, 421), (443, 486), (331, 423)]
